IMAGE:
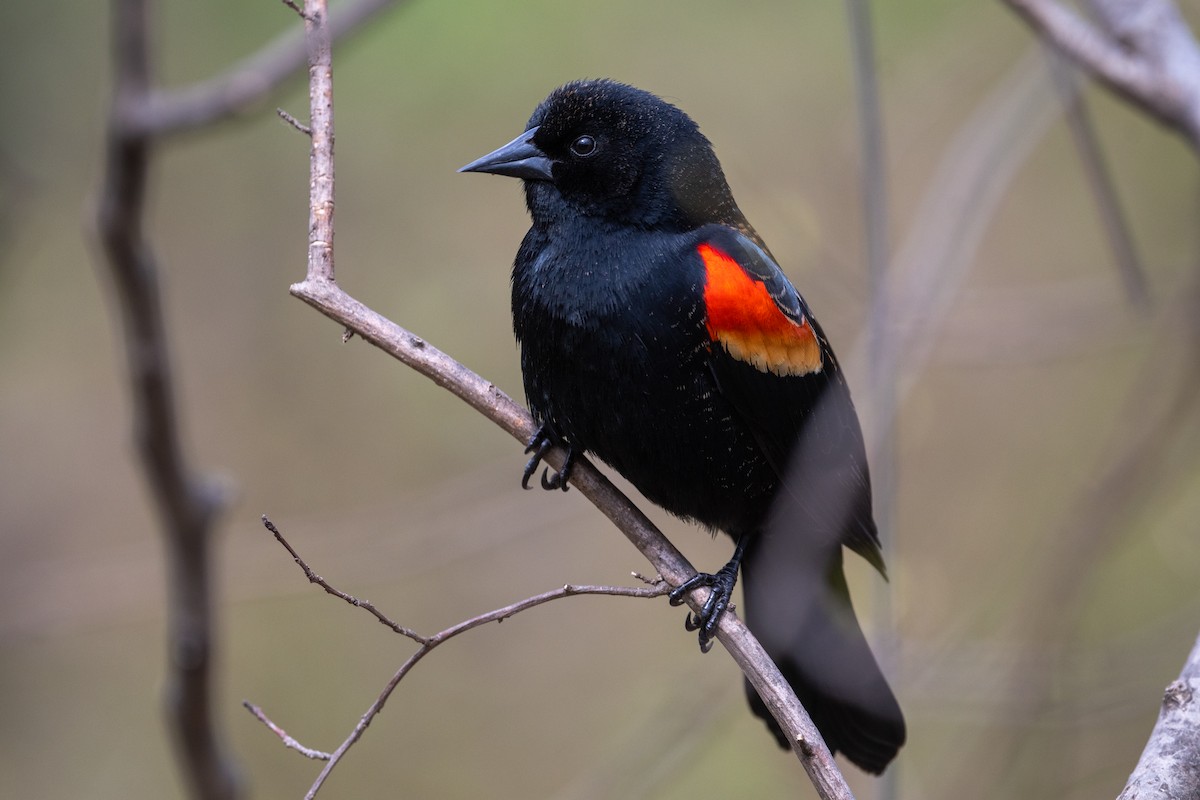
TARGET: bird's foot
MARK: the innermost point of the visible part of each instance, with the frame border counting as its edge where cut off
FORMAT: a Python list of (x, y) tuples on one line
[(539, 445), (709, 616)]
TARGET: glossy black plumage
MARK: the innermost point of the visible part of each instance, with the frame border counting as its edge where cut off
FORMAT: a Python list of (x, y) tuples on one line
[(735, 415)]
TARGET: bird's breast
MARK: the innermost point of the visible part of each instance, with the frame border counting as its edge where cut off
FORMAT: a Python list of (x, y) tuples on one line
[(614, 355)]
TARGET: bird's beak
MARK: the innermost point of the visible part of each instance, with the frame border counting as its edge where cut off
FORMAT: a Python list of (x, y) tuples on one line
[(520, 158)]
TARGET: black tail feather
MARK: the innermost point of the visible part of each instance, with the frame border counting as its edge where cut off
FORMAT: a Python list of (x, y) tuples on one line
[(806, 623)]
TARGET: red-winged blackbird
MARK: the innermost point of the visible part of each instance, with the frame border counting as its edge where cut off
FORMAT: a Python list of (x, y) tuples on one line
[(658, 333)]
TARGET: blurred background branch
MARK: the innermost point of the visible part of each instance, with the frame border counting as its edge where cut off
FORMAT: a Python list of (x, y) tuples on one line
[(245, 85), (1143, 51), (956, 209), (878, 413), (1099, 180), (187, 501)]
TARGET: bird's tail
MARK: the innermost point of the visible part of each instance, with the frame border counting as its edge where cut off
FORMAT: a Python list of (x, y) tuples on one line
[(804, 619)]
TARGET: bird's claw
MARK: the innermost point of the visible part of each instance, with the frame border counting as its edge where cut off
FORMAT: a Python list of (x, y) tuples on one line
[(558, 480), (705, 620), (539, 445)]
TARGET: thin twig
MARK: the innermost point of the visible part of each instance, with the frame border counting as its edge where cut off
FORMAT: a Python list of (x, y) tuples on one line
[(295, 123), (1095, 170), (431, 642), (657, 579), (313, 577), (288, 741), (294, 7), (428, 643)]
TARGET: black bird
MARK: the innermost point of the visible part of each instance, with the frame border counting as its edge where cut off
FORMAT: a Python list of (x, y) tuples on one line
[(658, 333)]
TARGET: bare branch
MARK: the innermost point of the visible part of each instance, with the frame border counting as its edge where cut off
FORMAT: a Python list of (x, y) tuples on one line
[(881, 386), (238, 90), (294, 7), (288, 741), (320, 117), (295, 123), (187, 502), (936, 256), (1091, 156), (320, 291), (432, 642), (1170, 764), (352, 600), (428, 643), (1143, 51)]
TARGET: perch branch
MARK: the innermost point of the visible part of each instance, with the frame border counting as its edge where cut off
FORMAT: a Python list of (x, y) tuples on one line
[(319, 290), (295, 123)]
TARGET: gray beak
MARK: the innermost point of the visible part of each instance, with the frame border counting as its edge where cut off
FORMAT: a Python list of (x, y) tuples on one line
[(520, 158)]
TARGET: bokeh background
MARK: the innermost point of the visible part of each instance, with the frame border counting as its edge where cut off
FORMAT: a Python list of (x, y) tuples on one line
[(1045, 552)]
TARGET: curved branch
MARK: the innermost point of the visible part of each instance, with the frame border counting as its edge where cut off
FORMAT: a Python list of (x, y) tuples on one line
[(1099, 180), (288, 741), (1142, 51), (165, 112)]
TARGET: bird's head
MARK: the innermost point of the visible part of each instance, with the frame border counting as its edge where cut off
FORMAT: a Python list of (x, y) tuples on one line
[(603, 149)]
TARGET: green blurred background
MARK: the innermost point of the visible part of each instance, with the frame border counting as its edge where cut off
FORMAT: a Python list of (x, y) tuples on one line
[(1046, 554)]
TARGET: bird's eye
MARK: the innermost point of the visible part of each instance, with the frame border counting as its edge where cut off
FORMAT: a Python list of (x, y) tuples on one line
[(584, 146)]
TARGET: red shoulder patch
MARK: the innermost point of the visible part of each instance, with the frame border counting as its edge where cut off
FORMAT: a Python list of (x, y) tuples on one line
[(743, 318)]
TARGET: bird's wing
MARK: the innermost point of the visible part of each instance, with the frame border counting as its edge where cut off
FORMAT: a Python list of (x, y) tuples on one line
[(773, 364)]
